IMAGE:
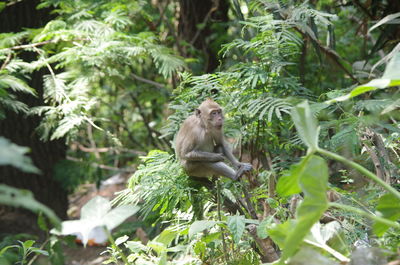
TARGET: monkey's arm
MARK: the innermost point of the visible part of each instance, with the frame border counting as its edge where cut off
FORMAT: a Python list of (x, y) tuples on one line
[(201, 156)]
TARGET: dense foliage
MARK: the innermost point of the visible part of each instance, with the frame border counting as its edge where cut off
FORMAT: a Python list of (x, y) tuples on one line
[(310, 94)]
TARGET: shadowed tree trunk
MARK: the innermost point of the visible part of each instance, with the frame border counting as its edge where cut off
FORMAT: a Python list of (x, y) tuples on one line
[(21, 130), (197, 20)]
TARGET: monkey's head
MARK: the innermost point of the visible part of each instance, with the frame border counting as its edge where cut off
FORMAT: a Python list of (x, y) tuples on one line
[(210, 113)]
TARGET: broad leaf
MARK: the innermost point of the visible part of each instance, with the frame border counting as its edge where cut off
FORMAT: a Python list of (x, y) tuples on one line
[(390, 78), (306, 125), (96, 215), (313, 180), (262, 228), (23, 198), (167, 236), (14, 155), (279, 232), (199, 226), (236, 226), (288, 184), (385, 20), (389, 208), (321, 234)]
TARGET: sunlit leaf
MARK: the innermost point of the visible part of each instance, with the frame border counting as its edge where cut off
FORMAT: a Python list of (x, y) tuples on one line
[(385, 20), (306, 125), (313, 180), (288, 183), (96, 214), (14, 155), (388, 207), (23, 198), (390, 78)]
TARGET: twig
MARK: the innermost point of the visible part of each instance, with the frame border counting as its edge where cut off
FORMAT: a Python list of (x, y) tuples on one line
[(26, 46), (206, 18), (6, 61), (129, 170), (108, 149), (220, 219), (147, 81), (37, 254)]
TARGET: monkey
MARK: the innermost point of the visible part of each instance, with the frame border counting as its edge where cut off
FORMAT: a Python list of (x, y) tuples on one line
[(201, 147)]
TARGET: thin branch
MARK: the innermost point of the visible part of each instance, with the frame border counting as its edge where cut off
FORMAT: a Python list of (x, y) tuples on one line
[(96, 165), (26, 46), (6, 61), (108, 149), (147, 81), (329, 52), (92, 142), (205, 20)]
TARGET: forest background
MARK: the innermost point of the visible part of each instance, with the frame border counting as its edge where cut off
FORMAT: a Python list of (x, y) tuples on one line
[(91, 89)]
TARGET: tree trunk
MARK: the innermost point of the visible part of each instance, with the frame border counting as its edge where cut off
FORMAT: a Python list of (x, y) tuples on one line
[(21, 129), (195, 21)]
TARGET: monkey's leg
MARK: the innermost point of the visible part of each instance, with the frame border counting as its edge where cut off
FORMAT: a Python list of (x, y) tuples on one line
[(220, 169)]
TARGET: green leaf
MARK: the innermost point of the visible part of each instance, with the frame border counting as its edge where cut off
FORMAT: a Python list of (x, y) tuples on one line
[(39, 251), (121, 240), (236, 226), (262, 228), (3, 250), (27, 244), (16, 85), (14, 155), (388, 207), (313, 180), (390, 78), (199, 226), (167, 236), (2, 6), (136, 246), (24, 198), (279, 232), (288, 184), (306, 125)]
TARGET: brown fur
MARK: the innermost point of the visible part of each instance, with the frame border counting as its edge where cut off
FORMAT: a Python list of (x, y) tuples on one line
[(201, 147)]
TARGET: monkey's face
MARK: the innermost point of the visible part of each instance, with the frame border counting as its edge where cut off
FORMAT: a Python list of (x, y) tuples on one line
[(216, 118)]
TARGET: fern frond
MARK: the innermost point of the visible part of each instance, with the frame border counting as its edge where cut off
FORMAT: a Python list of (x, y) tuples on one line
[(54, 88), (11, 103), (267, 107), (8, 40), (66, 125), (160, 184), (166, 62), (15, 84)]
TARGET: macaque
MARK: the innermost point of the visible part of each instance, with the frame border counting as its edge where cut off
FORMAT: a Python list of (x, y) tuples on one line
[(201, 146)]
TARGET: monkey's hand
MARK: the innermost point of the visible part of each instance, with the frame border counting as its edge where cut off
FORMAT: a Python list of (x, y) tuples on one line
[(243, 168)]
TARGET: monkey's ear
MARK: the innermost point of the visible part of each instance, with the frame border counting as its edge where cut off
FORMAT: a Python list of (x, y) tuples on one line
[(197, 112)]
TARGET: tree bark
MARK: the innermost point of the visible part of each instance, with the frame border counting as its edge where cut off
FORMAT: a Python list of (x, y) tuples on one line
[(20, 129), (195, 21)]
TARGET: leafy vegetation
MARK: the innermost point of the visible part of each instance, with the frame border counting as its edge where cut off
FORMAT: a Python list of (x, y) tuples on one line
[(310, 94)]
